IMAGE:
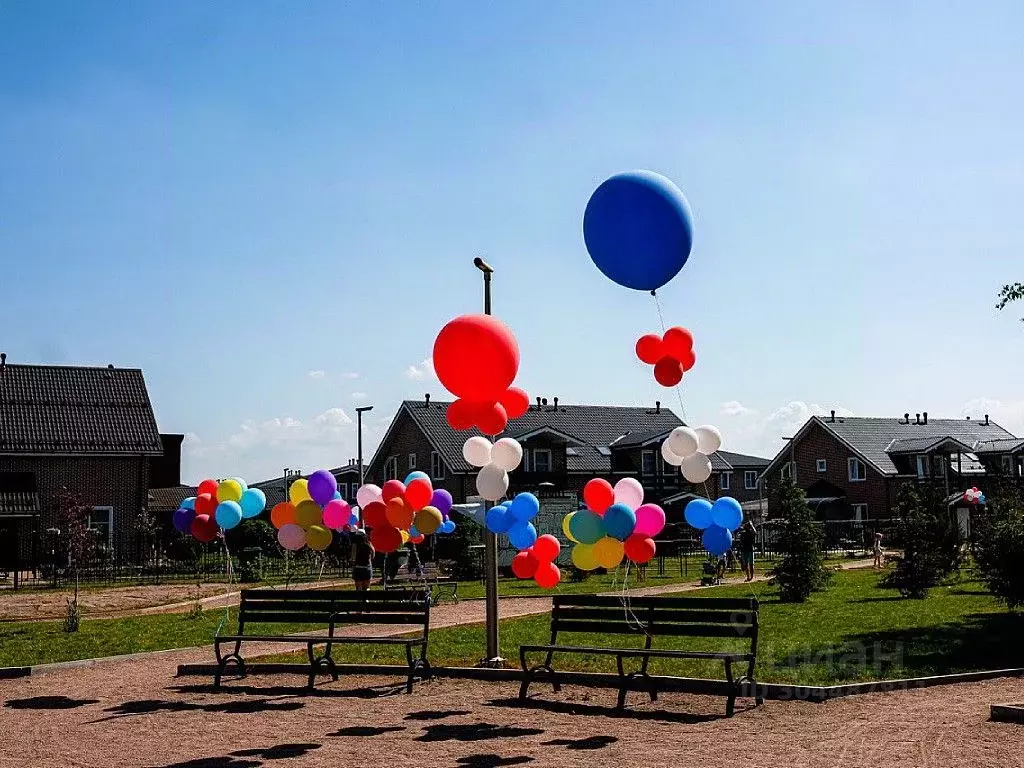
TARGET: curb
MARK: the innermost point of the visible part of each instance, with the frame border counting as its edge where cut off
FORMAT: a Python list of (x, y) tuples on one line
[(10, 673), (1008, 713)]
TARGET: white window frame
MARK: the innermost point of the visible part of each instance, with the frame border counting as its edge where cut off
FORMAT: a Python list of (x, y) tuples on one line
[(852, 462), (725, 481), (666, 469), (412, 461), (654, 463), (747, 475), (860, 512), (343, 490), (391, 468), (547, 452), (786, 473), (110, 522), (821, 465), (436, 466)]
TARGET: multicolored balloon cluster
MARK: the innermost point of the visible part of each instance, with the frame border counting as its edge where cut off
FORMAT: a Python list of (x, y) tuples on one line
[(402, 512), (974, 496), (615, 524), (218, 506), (671, 354), (717, 520), (536, 556), (690, 450), (476, 358), (495, 462), (314, 509)]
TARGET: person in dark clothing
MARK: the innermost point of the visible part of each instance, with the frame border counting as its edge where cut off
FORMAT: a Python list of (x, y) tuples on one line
[(748, 541), (362, 560)]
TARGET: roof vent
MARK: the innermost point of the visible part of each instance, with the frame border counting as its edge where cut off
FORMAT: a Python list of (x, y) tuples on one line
[(543, 401), (906, 418), (657, 406), (986, 419), (833, 417), (3, 360), (917, 418), (924, 417), (426, 400), (556, 404), (538, 403)]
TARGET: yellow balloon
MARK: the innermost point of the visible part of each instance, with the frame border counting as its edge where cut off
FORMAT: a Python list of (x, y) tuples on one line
[(405, 535), (565, 529), (229, 490), (308, 513), (318, 537), (583, 557), (299, 491), (608, 552), (428, 520)]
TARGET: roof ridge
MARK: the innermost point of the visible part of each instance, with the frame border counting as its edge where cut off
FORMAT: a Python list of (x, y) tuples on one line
[(69, 367)]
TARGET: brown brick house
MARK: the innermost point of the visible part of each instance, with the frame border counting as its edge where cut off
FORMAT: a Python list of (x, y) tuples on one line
[(852, 468), (88, 430)]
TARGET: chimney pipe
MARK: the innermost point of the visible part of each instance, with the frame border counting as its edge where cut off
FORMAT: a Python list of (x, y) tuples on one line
[(543, 401), (556, 403), (3, 360), (986, 419), (426, 399), (833, 415), (917, 418), (657, 406), (538, 403), (924, 416), (906, 418)]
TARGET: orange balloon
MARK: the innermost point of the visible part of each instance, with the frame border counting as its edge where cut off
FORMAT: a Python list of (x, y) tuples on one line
[(418, 493), (399, 514), (282, 514)]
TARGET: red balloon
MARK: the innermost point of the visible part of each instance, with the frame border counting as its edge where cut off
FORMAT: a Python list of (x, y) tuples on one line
[(639, 548), (668, 372), (492, 419), (677, 343), (547, 575), (204, 528), (393, 489), (417, 539), (546, 548), (385, 539), (398, 514), (524, 564), (649, 348), (476, 357), (375, 515), (206, 504), (418, 493), (516, 402), (598, 495), (207, 486), (461, 415), (688, 360)]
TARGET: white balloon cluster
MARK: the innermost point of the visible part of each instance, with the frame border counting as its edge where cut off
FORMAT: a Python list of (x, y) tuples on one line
[(495, 462), (690, 449)]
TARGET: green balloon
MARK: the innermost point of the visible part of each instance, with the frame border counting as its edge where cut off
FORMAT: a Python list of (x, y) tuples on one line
[(586, 527)]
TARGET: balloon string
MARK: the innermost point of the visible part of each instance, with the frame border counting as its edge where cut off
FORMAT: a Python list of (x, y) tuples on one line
[(661, 318), (227, 601)]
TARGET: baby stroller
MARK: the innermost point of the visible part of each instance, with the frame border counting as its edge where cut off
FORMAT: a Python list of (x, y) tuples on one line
[(712, 573)]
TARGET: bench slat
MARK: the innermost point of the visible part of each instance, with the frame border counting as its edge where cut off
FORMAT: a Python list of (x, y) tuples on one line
[(664, 653), (743, 618), (337, 605), (703, 603), (664, 630)]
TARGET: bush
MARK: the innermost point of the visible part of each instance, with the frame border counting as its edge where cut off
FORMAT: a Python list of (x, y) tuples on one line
[(802, 569), (999, 549), (931, 541)]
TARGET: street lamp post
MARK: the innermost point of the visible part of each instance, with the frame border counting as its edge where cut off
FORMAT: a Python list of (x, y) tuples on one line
[(359, 419), (493, 657)]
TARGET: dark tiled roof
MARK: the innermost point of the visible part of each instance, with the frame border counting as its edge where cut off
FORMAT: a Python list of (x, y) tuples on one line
[(169, 498), (924, 444), (637, 439), (742, 461), (595, 426), (76, 410), (1002, 445)]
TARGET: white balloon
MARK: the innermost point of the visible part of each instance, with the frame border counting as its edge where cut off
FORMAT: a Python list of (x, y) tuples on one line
[(683, 442), (477, 451), (492, 482), (628, 491), (368, 494), (507, 453), (668, 455), (709, 439), (696, 468)]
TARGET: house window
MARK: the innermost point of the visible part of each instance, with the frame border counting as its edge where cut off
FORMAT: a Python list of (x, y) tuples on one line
[(1007, 462), (666, 468), (436, 466), (821, 465), (725, 481), (922, 466), (860, 512), (787, 470), (541, 459), (648, 465), (412, 461), (858, 472), (391, 468), (101, 521), (750, 480), (343, 490)]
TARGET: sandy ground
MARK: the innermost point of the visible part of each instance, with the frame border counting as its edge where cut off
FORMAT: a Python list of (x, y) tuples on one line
[(135, 713)]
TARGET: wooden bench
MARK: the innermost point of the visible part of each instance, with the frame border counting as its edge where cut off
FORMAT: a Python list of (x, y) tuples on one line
[(647, 618), (330, 609)]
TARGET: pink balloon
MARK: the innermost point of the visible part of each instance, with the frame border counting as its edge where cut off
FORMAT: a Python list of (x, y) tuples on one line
[(337, 514), (367, 494), (628, 491), (292, 537), (650, 520)]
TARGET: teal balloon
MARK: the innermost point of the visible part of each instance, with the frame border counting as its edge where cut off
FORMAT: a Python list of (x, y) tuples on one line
[(586, 527), (228, 514), (727, 513), (189, 503), (417, 475), (619, 521), (698, 513), (253, 502), (337, 495), (524, 506)]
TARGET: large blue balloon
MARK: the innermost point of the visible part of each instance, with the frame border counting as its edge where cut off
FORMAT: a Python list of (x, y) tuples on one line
[(522, 535), (638, 229), (698, 513), (253, 502), (727, 513), (619, 521), (717, 540), (525, 506)]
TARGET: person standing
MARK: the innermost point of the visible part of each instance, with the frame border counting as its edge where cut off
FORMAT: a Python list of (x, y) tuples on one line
[(876, 548), (362, 560), (748, 541)]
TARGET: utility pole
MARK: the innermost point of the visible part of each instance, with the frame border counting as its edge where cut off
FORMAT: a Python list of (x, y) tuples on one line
[(359, 419)]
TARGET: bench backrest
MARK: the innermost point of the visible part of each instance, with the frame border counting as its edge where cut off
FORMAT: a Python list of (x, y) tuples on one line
[(334, 606), (649, 617)]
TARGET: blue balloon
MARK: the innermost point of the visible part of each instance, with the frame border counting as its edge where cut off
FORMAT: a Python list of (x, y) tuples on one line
[(524, 506), (354, 520), (253, 502), (522, 535), (586, 527), (727, 513), (183, 519), (698, 513), (416, 475), (228, 514), (189, 503), (448, 526), (619, 521), (638, 229), (337, 495), (717, 540), (498, 520), (413, 533)]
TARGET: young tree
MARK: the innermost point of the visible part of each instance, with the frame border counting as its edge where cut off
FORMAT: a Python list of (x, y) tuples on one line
[(931, 540), (79, 542), (802, 569), (999, 548), (1010, 292)]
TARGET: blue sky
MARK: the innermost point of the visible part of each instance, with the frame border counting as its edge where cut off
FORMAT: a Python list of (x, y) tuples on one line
[(234, 196)]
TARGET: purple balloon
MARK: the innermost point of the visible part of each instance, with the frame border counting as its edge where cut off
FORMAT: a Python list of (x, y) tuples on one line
[(442, 502), (183, 520), (322, 486)]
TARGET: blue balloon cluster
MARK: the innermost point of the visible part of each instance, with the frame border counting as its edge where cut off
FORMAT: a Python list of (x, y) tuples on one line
[(513, 519), (717, 520)]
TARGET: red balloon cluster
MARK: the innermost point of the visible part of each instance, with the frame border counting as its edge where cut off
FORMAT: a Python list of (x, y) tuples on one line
[(400, 507), (476, 358), (538, 562), (671, 355)]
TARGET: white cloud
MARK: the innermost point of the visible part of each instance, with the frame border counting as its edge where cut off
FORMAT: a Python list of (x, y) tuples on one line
[(1007, 414), (350, 376), (422, 371), (358, 395), (317, 374), (735, 408), (747, 431)]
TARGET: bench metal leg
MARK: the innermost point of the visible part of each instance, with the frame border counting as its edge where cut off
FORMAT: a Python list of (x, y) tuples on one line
[(418, 667), (529, 673), (231, 658), (730, 705)]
